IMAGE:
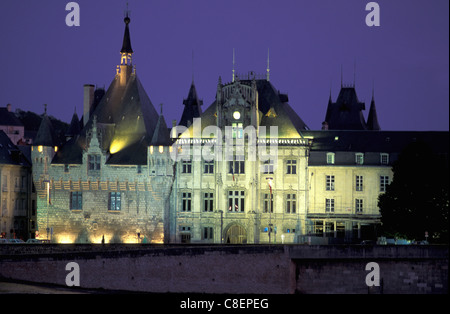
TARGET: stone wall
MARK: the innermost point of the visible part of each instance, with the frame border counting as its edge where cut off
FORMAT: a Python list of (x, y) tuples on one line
[(233, 269)]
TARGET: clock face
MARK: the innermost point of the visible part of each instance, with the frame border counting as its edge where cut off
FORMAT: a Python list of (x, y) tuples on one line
[(236, 115)]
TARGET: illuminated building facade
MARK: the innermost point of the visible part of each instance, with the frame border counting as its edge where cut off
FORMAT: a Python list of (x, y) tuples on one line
[(247, 169)]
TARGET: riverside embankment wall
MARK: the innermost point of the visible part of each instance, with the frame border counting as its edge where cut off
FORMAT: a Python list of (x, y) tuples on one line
[(267, 269)]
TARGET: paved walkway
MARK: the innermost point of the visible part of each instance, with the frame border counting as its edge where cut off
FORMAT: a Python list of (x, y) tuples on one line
[(20, 288)]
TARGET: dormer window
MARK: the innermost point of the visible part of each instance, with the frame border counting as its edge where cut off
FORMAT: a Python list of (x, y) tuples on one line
[(94, 162), (359, 158)]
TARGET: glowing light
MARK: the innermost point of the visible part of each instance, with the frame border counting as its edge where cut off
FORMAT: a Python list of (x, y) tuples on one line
[(116, 146), (151, 150), (65, 238), (56, 149), (236, 115), (40, 148), (161, 149)]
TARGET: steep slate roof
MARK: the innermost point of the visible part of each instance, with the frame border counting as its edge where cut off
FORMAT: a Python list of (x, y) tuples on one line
[(274, 111), (74, 127), (9, 153), (126, 120), (368, 141), (46, 135), (192, 107), (161, 136), (8, 118), (346, 112)]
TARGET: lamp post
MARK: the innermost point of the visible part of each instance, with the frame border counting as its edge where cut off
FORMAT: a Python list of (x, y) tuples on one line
[(47, 183), (270, 182), (221, 225)]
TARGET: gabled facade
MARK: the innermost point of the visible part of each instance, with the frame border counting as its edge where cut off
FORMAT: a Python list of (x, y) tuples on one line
[(106, 183)]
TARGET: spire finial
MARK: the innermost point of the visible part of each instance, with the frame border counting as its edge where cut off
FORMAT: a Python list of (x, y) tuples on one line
[(354, 73), (192, 66), (268, 69), (126, 50), (45, 108), (233, 67), (341, 75), (373, 90), (161, 104)]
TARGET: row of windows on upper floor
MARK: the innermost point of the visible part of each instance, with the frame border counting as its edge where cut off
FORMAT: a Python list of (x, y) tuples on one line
[(238, 167), (236, 203), (235, 166), (359, 158), (330, 183)]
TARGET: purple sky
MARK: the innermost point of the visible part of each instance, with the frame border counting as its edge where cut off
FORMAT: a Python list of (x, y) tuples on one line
[(407, 57)]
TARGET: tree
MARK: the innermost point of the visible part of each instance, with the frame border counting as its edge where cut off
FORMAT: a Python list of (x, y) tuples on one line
[(417, 200)]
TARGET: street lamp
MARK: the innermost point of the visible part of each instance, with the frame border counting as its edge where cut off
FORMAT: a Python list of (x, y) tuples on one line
[(270, 182), (47, 183)]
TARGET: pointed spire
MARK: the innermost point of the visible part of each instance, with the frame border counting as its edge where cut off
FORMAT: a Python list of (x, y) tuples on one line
[(268, 69), (126, 50), (74, 127), (372, 119)]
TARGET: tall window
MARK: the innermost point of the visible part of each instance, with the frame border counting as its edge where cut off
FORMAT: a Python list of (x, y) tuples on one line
[(186, 166), (291, 203), (330, 158), (186, 198), (94, 162), (236, 166), (208, 233), (115, 201), (291, 167), (358, 205), (359, 183), (329, 183), (268, 167), (267, 203), (208, 166), (76, 200), (384, 181), (359, 158), (236, 201), (208, 202), (329, 205), (237, 130)]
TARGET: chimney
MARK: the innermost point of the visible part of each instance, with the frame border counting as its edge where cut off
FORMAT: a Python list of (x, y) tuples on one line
[(88, 100), (8, 106), (324, 125)]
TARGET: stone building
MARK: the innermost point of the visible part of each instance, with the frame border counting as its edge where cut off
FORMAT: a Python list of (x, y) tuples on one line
[(17, 199), (247, 169), (111, 181)]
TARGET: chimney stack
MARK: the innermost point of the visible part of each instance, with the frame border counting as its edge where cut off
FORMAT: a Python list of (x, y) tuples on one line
[(88, 100)]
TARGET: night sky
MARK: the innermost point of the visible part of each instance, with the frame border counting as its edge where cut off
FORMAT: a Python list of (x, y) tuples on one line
[(406, 59)]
